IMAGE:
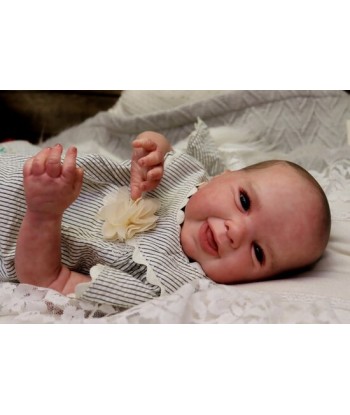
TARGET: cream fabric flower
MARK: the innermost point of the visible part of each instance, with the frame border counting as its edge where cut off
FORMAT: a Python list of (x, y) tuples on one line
[(125, 217)]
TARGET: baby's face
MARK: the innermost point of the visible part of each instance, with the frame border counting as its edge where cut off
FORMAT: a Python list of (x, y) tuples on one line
[(250, 225)]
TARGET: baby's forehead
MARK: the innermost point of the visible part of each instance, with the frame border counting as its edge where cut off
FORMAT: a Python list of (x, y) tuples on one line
[(291, 187), (278, 170), (269, 166)]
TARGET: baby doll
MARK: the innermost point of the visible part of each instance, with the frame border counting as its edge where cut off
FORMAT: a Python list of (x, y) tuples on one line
[(239, 226)]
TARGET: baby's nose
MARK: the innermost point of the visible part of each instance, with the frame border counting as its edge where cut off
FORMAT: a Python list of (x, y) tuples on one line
[(235, 232)]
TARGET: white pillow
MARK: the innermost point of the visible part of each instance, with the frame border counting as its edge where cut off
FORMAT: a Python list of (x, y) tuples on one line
[(133, 103)]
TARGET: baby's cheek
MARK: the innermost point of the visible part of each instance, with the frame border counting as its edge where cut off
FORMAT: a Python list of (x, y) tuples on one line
[(214, 270)]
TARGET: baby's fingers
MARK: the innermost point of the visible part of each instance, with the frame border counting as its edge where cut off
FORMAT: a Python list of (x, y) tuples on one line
[(149, 185), (135, 191), (152, 159), (36, 165), (69, 169), (144, 143), (155, 174), (79, 174), (53, 162), (70, 172)]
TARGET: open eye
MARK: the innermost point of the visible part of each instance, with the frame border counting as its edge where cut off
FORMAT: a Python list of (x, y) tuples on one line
[(259, 253), (245, 200)]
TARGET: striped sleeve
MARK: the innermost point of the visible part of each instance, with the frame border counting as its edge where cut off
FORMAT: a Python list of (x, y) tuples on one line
[(12, 208), (201, 146)]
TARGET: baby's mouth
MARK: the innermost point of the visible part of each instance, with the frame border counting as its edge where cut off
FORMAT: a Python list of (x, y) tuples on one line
[(211, 239), (207, 239)]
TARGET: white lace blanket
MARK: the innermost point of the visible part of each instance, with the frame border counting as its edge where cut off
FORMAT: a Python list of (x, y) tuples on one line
[(199, 302), (308, 127)]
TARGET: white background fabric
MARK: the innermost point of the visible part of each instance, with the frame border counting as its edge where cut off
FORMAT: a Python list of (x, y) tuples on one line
[(308, 127)]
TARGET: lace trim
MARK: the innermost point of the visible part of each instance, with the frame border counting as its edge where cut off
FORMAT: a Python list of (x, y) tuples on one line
[(83, 286), (138, 258), (181, 218), (209, 303), (27, 303)]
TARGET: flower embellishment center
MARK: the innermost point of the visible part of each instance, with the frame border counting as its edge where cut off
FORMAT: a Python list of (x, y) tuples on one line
[(124, 217)]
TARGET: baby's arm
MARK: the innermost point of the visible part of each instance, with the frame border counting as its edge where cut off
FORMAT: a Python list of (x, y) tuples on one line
[(50, 188), (147, 162)]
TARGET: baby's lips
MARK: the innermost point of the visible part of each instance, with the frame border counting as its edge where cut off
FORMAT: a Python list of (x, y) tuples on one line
[(211, 239)]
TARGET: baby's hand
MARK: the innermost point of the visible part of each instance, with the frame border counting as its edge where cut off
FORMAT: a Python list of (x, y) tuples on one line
[(147, 162), (49, 185)]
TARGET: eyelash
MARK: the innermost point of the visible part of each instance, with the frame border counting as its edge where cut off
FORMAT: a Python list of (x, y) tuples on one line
[(245, 203), (259, 253), (245, 200)]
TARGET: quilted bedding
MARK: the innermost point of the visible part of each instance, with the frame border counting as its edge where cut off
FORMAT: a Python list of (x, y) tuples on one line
[(308, 127)]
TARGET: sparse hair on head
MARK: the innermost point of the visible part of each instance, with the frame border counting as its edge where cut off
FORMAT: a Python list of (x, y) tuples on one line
[(325, 221)]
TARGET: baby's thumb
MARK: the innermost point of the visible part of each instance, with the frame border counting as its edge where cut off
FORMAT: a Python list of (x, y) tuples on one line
[(79, 179), (135, 191)]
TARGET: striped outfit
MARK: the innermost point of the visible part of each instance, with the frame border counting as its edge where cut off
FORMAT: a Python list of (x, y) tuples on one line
[(123, 274)]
